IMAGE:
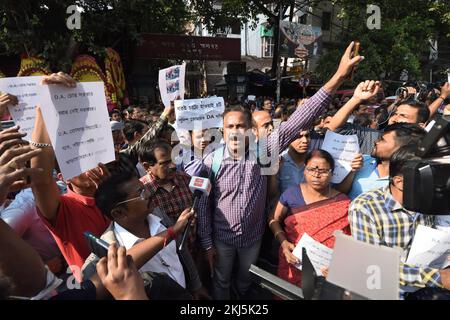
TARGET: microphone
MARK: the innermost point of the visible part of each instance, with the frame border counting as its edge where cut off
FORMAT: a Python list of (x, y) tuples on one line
[(199, 185)]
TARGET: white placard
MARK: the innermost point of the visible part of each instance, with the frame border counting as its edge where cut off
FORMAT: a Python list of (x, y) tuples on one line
[(430, 248), (319, 254), (77, 122), (448, 77), (343, 148), (171, 83), (24, 113), (366, 269), (199, 113)]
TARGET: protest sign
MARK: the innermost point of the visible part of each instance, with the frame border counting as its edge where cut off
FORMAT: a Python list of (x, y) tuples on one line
[(343, 148), (199, 113), (319, 254), (77, 122), (430, 248), (24, 113), (171, 83)]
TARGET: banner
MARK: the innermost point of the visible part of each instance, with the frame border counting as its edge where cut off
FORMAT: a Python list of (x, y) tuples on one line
[(296, 37), (171, 83), (199, 113), (343, 148), (24, 113), (77, 122)]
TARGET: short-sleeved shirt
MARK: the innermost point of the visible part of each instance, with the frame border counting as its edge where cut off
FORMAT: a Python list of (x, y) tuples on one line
[(76, 214), (292, 197), (367, 178), (290, 173)]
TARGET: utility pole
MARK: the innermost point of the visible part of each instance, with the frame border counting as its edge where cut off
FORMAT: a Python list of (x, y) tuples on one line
[(280, 19)]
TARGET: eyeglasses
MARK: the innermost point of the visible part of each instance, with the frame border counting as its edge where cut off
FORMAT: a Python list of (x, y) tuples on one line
[(142, 196), (321, 172)]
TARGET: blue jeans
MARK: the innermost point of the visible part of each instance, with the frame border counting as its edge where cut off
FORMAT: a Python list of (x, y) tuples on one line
[(223, 268)]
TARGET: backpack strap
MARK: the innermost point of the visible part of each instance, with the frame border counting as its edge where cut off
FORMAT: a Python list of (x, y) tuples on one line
[(217, 162)]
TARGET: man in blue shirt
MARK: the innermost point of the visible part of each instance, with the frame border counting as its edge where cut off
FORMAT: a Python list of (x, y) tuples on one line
[(375, 171)]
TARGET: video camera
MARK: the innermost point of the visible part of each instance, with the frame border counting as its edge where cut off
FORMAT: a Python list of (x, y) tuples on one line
[(427, 181)]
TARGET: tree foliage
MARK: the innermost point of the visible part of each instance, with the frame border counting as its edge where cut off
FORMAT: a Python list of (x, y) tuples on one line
[(402, 43), (38, 27)]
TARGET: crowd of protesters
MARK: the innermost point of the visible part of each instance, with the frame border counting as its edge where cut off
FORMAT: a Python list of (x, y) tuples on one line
[(271, 183)]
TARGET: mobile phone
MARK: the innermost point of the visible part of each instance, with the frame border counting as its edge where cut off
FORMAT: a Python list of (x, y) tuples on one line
[(98, 246), (355, 52)]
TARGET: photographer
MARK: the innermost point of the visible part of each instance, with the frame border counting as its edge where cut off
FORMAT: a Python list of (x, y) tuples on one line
[(378, 217)]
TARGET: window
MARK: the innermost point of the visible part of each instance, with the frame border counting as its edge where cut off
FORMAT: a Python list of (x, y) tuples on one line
[(326, 20), (302, 19), (267, 47)]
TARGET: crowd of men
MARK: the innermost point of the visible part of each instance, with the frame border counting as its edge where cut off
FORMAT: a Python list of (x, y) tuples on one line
[(271, 184)]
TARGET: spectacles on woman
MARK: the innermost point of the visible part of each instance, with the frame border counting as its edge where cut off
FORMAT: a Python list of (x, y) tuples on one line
[(142, 196), (317, 171)]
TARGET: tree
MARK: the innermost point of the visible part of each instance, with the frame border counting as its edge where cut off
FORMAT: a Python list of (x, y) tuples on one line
[(38, 27), (216, 17), (402, 42)]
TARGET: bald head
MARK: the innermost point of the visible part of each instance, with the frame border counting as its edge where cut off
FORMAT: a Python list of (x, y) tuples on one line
[(264, 122)]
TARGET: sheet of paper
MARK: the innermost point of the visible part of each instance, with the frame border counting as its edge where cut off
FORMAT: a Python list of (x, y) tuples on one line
[(319, 254), (77, 122), (24, 113), (199, 113), (448, 77), (430, 248), (171, 83), (343, 148)]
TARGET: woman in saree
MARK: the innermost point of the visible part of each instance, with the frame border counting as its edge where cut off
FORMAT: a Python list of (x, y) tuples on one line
[(314, 207)]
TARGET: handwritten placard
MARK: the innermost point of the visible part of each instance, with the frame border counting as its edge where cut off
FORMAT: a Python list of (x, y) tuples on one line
[(24, 113), (343, 149), (171, 83), (77, 122), (199, 113), (430, 248), (319, 254)]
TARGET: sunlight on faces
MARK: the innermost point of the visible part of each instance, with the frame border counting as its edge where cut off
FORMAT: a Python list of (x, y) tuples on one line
[(164, 168), (134, 207), (234, 130), (318, 173), (301, 144), (404, 114), (385, 146)]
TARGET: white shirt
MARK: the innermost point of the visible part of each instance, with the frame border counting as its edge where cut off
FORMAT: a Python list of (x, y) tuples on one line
[(166, 260)]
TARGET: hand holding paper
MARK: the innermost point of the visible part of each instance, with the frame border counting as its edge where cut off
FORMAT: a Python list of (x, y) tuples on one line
[(319, 254)]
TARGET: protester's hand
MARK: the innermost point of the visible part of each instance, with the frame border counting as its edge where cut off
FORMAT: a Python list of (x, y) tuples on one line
[(287, 248), (7, 99), (366, 90), (13, 170), (183, 220), (445, 278), (120, 276), (347, 62), (324, 271), (59, 78), (445, 90), (211, 257), (98, 174), (201, 294), (169, 111), (357, 162), (10, 138)]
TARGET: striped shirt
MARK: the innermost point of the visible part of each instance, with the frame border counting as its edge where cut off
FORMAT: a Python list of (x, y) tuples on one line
[(377, 218), (234, 212)]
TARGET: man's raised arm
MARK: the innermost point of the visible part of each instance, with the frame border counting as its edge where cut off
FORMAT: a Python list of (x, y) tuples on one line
[(305, 115)]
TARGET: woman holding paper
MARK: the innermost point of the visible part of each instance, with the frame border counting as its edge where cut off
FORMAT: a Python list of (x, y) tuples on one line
[(314, 208)]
